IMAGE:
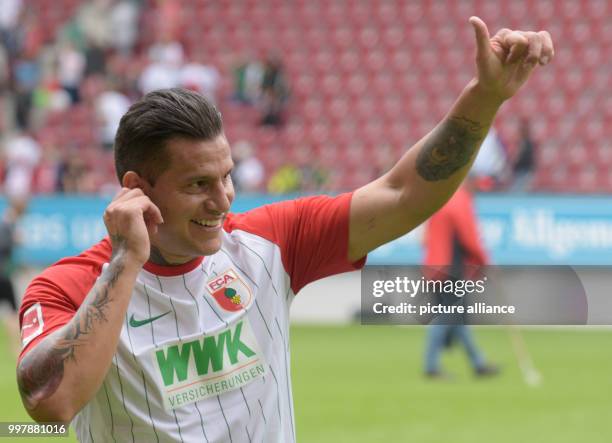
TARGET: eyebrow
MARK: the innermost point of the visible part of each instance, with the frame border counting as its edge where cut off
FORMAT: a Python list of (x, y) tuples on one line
[(205, 177), (197, 178)]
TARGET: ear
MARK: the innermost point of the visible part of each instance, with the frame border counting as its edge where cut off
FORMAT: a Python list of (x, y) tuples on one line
[(132, 180)]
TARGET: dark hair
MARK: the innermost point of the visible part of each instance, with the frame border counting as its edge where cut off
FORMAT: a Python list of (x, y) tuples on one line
[(156, 118)]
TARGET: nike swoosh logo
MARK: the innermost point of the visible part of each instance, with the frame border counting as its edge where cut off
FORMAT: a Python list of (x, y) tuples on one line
[(137, 323)]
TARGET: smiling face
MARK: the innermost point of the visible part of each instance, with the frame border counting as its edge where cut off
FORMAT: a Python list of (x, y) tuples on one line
[(194, 194)]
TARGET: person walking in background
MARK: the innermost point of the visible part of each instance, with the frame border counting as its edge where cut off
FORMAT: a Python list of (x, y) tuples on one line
[(451, 244)]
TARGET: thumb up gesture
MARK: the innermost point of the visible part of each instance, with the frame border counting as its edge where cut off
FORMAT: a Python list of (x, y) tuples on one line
[(506, 60)]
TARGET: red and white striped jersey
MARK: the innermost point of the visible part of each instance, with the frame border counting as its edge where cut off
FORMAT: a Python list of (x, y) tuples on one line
[(203, 355)]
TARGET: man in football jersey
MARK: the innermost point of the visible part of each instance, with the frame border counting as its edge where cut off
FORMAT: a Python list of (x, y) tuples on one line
[(175, 327)]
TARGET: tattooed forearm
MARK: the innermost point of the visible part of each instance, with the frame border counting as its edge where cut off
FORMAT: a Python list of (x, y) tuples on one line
[(449, 148), (119, 242), (41, 371)]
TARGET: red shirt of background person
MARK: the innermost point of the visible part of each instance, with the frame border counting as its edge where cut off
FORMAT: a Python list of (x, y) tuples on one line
[(452, 241)]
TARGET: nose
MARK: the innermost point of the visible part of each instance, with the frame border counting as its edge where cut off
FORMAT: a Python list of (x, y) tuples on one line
[(220, 198)]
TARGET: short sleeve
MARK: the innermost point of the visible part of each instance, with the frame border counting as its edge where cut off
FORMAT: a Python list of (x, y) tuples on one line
[(311, 232), (52, 298)]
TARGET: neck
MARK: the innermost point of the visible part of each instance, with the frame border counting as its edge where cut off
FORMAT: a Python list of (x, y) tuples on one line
[(157, 258)]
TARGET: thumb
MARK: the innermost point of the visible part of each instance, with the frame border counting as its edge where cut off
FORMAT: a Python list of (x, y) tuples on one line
[(482, 36)]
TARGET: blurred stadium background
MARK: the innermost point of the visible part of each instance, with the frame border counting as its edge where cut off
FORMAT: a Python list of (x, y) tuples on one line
[(323, 96)]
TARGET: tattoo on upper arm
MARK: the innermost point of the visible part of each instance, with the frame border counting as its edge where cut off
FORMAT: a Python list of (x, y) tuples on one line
[(449, 148), (42, 369)]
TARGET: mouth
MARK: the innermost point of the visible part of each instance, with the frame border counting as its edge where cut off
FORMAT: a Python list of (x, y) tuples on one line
[(213, 224)]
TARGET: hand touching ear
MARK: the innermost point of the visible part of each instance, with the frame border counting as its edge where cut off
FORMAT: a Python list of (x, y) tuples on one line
[(131, 218)]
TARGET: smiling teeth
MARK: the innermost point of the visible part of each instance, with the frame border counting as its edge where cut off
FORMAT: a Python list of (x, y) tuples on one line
[(208, 223)]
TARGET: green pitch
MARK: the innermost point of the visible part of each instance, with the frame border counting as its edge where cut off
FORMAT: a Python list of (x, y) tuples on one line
[(363, 384)]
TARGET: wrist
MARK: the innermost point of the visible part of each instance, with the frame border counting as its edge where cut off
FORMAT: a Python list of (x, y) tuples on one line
[(128, 260), (477, 103), (485, 95)]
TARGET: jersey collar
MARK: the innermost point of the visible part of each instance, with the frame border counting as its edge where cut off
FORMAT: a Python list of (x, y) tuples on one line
[(173, 271)]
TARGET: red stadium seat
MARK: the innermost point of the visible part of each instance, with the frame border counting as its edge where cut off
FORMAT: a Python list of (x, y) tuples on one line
[(384, 72)]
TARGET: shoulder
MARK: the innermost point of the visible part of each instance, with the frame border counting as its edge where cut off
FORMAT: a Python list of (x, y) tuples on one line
[(268, 220), (72, 276), (293, 207), (91, 259)]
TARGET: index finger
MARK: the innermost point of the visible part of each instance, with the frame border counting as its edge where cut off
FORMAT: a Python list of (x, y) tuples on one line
[(548, 50), (151, 212), (516, 44), (121, 193), (534, 52), (128, 193)]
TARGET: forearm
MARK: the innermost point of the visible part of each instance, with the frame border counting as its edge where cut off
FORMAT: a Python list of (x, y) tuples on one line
[(61, 374), (429, 173), (424, 178)]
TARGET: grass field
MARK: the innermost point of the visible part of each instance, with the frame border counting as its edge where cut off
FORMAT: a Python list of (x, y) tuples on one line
[(363, 384)]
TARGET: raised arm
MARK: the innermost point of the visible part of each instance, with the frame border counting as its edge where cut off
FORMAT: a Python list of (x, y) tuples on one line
[(61, 373), (430, 172)]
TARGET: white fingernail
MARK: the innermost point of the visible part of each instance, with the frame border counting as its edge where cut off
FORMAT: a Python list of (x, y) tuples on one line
[(544, 60)]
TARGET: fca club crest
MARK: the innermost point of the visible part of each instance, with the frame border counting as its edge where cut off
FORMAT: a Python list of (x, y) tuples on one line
[(230, 292)]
